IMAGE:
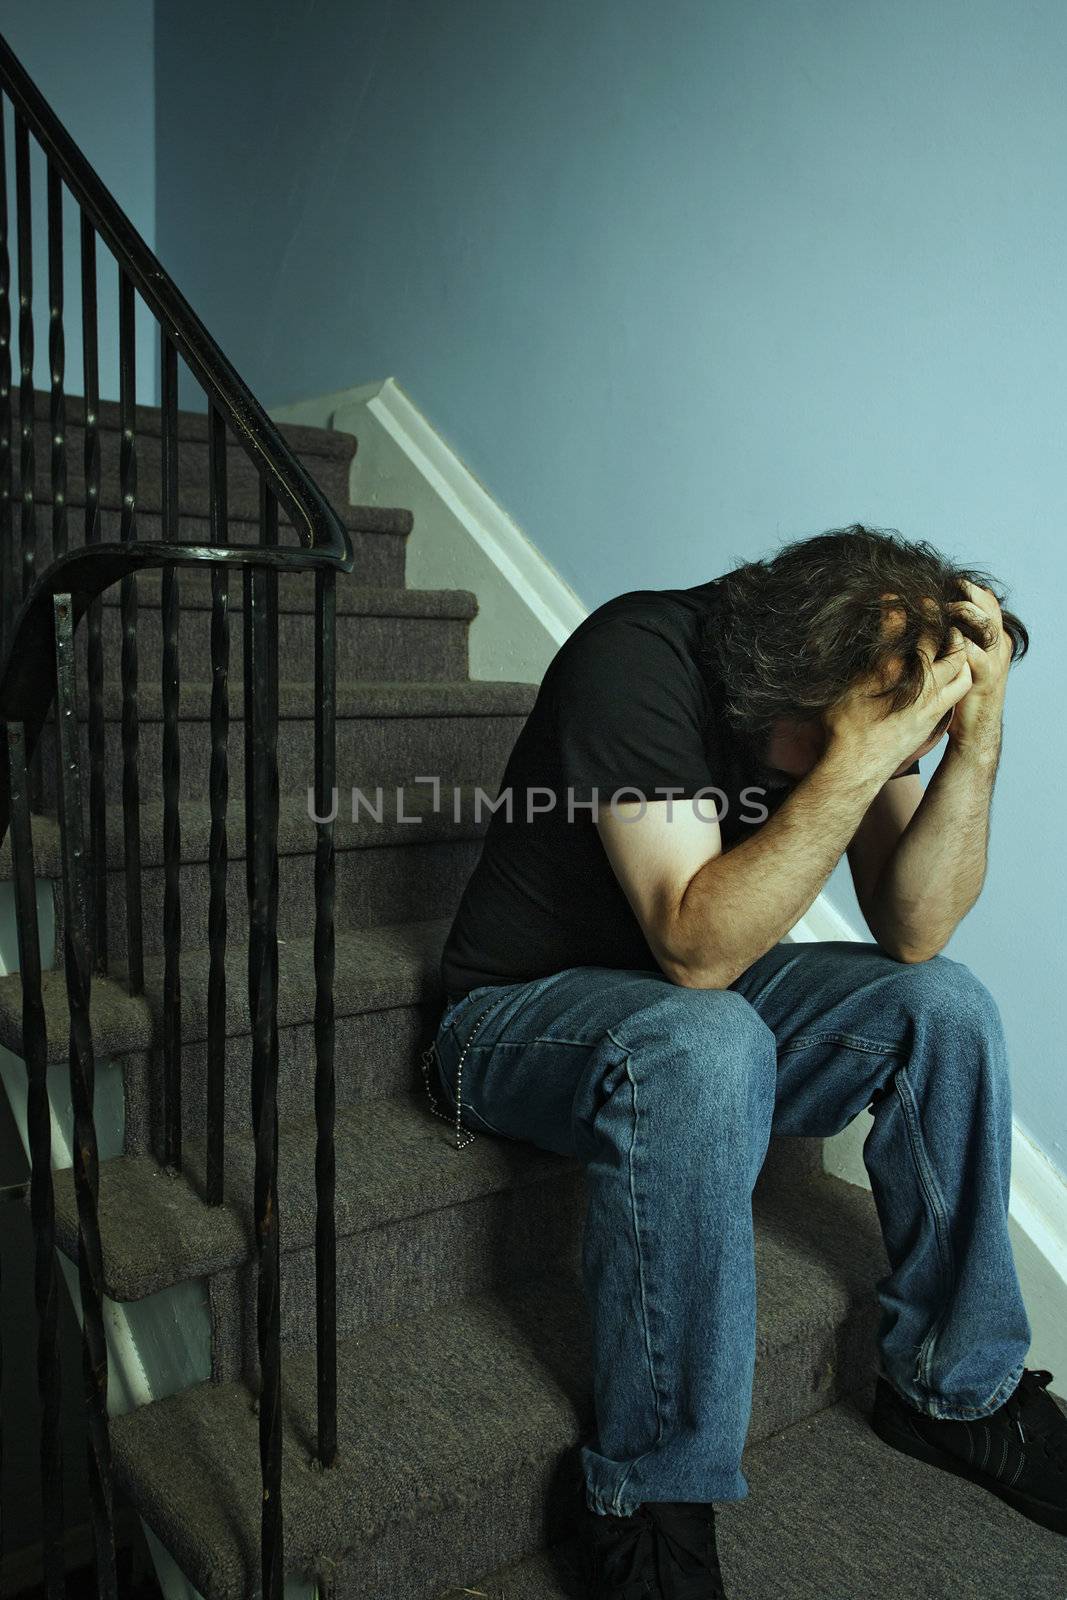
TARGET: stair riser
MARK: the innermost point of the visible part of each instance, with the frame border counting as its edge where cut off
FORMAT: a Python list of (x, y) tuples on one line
[(406, 1268), (329, 472), (377, 1055), (379, 557), (433, 649), (370, 751), (391, 883)]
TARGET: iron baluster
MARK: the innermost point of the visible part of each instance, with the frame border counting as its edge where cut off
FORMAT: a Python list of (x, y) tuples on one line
[(94, 616), (218, 785), (27, 405), (172, 840), (91, 373), (27, 465), (261, 838), (57, 363), (42, 1195), (77, 966), (325, 1095), (8, 573), (131, 783)]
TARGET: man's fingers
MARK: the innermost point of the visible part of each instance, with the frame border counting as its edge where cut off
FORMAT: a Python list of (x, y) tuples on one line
[(984, 598), (980, 619), (944, 668), (951, 673)]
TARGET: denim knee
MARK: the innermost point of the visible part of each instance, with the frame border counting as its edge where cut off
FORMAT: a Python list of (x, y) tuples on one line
[(943, 988), (712, 1040)]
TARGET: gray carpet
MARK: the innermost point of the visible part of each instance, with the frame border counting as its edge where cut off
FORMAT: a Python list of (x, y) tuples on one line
[(458, 1425), (835, 1514)]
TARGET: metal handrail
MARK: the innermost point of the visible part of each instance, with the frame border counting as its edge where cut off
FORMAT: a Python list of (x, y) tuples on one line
[(27, 684), (317, 524)]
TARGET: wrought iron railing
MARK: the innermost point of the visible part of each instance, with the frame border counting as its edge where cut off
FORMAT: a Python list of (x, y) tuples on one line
[(40, 608)]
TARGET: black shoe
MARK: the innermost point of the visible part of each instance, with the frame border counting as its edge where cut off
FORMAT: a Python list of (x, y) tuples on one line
[(664, 1551), (1018, 1452)]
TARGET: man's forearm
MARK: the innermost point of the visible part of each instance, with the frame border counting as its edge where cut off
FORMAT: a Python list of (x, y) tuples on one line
[(743, 901), (936, 870)]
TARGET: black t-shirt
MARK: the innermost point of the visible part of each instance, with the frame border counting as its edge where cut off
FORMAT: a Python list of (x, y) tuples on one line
[(628, 704)]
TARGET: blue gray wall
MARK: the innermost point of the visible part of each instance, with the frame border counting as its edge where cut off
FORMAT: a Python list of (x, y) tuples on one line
[(678, 282), (96, 67), (677, 285)]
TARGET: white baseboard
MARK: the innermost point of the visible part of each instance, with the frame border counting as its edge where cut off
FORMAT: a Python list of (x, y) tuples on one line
[(462, 539)]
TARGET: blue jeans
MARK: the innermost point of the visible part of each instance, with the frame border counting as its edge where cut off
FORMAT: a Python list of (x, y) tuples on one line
[(669, 1097)]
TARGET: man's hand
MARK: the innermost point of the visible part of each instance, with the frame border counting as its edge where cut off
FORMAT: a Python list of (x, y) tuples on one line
[(868, 738), (934, 873), (976, 725)]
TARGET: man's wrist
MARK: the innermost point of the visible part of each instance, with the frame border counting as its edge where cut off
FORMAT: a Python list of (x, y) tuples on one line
[(853, 767), (979, 751), (979, 743)]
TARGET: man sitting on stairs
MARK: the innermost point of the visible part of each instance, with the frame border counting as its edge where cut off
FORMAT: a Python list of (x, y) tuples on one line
[(619, 990)]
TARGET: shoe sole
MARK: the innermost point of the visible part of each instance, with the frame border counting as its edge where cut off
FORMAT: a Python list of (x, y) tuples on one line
[(910, 1444)]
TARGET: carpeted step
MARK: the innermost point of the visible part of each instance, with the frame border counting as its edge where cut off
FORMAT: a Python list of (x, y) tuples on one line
[(835, 1514), (296, 593), (192, 425), (412, 864), (418, 1222), (325, 454), (388, 732), (381, 632), (378, 535), (456, 1430), (410, 1233), (376, 968), (387, 1000)]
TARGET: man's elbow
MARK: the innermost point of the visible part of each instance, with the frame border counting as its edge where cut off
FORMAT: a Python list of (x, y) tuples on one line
[(701, 980), (684, 960), (691, 974), (891, 939), (911, 955)]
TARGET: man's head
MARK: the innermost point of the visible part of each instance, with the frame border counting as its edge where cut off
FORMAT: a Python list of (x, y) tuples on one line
[(794, 632)]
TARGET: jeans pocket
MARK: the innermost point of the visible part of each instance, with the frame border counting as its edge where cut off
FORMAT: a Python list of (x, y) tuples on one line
[(456, 1008)]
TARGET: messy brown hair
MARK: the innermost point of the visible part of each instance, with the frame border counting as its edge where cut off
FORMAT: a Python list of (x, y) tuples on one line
[(792, 633)]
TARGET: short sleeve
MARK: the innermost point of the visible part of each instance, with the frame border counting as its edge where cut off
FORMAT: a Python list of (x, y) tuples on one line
[(914, 768), (628, 714)]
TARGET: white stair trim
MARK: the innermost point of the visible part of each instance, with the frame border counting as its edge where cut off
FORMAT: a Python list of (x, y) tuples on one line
[(462, 538)]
